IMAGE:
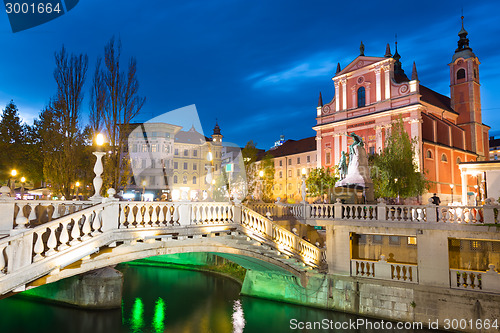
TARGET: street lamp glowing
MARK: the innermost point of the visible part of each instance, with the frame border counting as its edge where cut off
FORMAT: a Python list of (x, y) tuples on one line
[(77, 184), (143, 183), (99, 139), (23, 179), (261, 173), (452, 186), (213, 181), (13, 173)]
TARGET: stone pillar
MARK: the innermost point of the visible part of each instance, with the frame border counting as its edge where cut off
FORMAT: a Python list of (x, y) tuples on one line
[(378, 85), (336, 148), (7, 208), (319, 150), (387, 82), (433, 260), (337, 96), (464, 188), (344, 93)]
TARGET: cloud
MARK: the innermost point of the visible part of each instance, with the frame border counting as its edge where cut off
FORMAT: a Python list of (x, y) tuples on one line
[(296, 73)]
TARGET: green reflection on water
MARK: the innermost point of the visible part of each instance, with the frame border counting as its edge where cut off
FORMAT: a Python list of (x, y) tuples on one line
[(137, 318), (159, 316)]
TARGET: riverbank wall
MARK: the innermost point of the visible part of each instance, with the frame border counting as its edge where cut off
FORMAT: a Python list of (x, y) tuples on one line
[(457, 310)]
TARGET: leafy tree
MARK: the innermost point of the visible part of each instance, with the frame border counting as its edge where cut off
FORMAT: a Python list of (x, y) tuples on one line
[(322, 181), (395, 171), (11, 140), (267, 165)]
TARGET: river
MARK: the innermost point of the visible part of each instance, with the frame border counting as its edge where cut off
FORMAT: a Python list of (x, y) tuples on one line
[(157, 299)]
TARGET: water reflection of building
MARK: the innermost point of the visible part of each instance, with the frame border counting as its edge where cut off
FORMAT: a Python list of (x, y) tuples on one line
[(168, 163)]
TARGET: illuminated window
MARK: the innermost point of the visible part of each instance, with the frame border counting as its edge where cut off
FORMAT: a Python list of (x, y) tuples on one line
[(412, 241), (144, 148), (461, 74), (154, 148), (476, 245), (361, 97)]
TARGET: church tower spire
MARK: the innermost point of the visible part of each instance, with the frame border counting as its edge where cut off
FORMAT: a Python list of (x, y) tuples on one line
[(465, 96)]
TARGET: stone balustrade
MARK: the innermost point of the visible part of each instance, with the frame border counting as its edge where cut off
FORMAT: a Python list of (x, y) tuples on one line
[(381, 212), (488, 281), (384, 270), (112, 221)]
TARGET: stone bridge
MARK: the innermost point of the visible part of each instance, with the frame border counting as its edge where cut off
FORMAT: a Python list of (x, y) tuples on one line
[(45, 241)]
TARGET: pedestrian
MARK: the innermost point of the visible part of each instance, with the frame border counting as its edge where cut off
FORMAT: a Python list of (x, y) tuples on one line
[(435, 200)]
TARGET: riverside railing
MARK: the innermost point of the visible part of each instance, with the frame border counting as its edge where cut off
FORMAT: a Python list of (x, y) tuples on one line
[(384, 270), (381, 212)]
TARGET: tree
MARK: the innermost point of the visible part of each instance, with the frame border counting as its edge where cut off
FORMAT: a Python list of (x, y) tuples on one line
[(267, 165), (249, 154), (322, 181), (12, 133), (115, 101), (395, 172)]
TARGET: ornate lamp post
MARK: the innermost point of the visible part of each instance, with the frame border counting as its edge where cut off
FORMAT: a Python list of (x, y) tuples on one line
[(98, 168), (23, 180), (452, 186), (396, 181), (13, 174), (77, 185)]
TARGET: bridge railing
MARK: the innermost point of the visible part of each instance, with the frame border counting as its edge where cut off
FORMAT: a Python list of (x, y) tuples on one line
[(384, 270), (486, 214), (488, 281), (285, 240)]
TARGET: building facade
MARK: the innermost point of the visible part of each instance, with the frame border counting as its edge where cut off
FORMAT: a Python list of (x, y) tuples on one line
[(373, 92)]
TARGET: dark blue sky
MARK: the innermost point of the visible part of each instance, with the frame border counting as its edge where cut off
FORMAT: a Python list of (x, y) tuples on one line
[(257, 66)]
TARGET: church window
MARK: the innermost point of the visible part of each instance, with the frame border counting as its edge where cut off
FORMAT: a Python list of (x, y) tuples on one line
[(461, 74), (361, 97), (444, 158), (429, 154), (328, 157)]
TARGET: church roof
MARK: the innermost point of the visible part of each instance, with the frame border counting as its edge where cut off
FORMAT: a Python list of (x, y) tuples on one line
[(191, 136), (291, 147), (436, 99)]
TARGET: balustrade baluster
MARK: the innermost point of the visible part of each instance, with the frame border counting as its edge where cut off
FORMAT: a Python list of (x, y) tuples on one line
[(39, 246), (176, 215), (470, 280), (21, 221), (168, 216), (32, 214), (3, 262), (123, 217), (86, 228), (154, 215), (161, 215), (138, 216), (97, 223), (64, 236), (75, 232), (147, 216), (52, 241)]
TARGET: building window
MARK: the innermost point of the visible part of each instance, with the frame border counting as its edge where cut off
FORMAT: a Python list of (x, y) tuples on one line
[(444, 158), (281, 174), (372, 150), (361, 97), (154, 148), (475, 73), (394, 240), (308, 158), (289, 161), (327, 158), (176, 165), (184, 179), (461, 74), (195, 166), (459, 160), (186, 152), (298, 160), (290, 173), (144, 148), (194, 179), (216, 167), (412, 240), (290, 186), (152, 180), (281, 162), (377, 239), (428, 154), (185, 166), (298, 172), (195, 153), (176, 151), (175, 179)]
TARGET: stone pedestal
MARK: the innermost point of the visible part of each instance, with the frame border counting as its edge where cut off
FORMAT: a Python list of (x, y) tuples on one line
[(358, 173)]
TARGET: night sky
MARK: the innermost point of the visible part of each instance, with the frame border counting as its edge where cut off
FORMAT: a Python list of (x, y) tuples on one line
[(257, 66)]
